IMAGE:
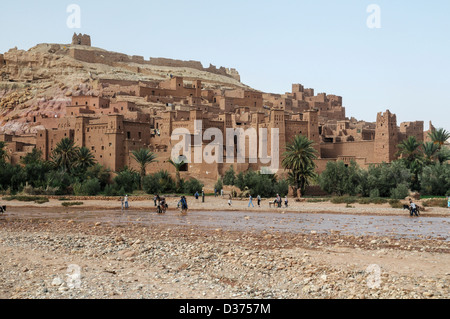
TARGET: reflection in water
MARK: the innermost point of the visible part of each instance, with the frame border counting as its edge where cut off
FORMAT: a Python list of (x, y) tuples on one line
[(393, 226)]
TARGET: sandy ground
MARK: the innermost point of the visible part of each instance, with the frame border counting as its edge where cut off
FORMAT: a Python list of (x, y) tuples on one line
[(221, 204), (46, 259)]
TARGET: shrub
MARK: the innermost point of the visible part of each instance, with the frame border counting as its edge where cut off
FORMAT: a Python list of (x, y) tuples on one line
[(379, 200), (193, 185), (61, 181), (316, 200), (12, 177), (128, 180), (114, 190), (395, 203), (21, 198), (42, 201), (365, 201), (435, 202), (340, 179), (30, 190), (68, 204), (219, 185), (265, 185), (91, 187), (99, 172), (374, 193), (435, 180), (281, 187), (229, 177), (344, 200), (386, 178), (159, 183), (400, 192)]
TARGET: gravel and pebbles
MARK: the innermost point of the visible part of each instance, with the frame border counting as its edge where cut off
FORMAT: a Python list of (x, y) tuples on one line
[(58, 259)]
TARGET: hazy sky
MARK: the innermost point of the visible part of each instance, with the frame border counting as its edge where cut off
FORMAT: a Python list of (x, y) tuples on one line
[(327, 45)]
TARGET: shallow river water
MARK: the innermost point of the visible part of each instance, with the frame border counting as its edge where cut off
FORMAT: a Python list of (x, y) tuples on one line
[(358, 225)]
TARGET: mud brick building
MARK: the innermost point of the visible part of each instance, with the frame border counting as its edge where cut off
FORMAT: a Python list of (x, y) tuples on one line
[(113, 129)]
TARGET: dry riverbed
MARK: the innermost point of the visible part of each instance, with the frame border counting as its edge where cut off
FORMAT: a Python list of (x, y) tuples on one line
[(80, 259)]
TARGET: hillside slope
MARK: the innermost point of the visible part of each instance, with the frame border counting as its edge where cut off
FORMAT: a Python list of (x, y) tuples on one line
[(42, 79)]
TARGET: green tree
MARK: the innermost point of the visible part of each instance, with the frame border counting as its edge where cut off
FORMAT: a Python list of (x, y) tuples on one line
[(299, 160), (219, 185), (193, 185), (443, 156), (435, 179), (340, 179), (409, 150), (128, 180), (101, 173), (32, 158), (84, 159), (90, 187), (430, 151), (229, 177), (64, 155), (3, 152), (386, 177), (439, 136), (61, 180), (143, 157), (159, 183)]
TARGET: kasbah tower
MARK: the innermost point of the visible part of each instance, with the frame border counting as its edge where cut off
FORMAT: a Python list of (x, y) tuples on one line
[(386, 138)]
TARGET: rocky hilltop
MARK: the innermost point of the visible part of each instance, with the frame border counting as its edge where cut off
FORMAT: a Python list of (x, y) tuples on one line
[(41, 80)]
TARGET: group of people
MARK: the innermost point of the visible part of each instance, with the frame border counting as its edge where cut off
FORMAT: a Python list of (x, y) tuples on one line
[(277, 201), (216, 192), (124, 201), (162, 205)]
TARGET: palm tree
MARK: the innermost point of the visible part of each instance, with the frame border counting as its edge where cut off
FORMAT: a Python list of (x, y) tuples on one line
[(439, 136), (299, 159), (84, 158), (302, 178), (430, 151), (178, 165), (65, 154), (143, 157), (409, 150)]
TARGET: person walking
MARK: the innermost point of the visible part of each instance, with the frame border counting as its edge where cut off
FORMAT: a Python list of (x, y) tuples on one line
[(183, 205), (286, 202), (259, 200), (250, 202), (126, 201), (413, 210), (221, 192), (278, 200), (196, 195), (229, 200), (203, 196)]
